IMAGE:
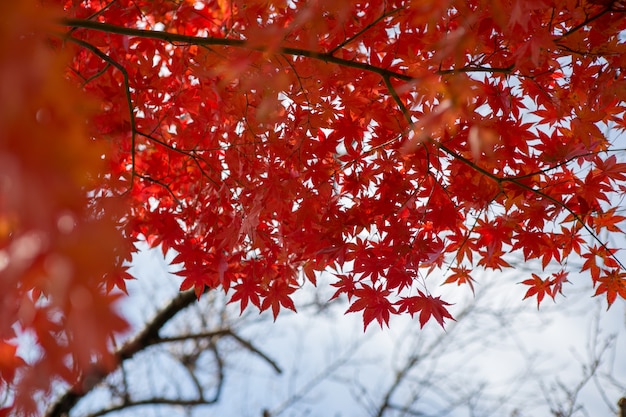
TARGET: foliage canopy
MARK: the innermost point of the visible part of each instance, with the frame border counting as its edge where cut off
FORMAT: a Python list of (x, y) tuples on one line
[(267, 141)]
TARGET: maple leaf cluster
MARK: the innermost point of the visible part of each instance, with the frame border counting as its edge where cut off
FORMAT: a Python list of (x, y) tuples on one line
[(266, 142), (54, 249)]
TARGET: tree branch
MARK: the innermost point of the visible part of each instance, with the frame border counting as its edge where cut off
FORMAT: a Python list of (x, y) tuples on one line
[(179, 402), (221, 333), (327, 57), (149, 335), (248, 345), (129, 100)]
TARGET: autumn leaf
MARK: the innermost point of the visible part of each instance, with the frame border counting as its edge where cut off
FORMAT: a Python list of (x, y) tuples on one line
[(612, 283), (60, 250), (374, 304), (591, 261), (557, 281), (460, 275), (117, 279), (246, 291), (345, 285), (428, 306), (277, 296), (539, 288), (197, 280)]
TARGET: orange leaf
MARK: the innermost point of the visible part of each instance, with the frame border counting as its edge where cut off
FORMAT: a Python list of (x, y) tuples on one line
[(613, 283), (538, 287)]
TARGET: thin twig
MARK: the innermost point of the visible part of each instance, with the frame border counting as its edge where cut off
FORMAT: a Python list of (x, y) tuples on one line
[(129, 100)]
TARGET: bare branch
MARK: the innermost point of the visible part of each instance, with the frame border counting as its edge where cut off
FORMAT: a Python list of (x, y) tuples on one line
[(149, 335)]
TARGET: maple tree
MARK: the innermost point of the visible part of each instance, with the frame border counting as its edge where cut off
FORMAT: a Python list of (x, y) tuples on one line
[(266, 142)]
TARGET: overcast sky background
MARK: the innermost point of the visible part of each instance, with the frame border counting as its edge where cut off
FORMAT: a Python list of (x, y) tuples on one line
[(544, 345)]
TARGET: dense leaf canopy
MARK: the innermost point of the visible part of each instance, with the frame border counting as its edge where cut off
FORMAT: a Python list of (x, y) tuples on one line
[(267, 141)]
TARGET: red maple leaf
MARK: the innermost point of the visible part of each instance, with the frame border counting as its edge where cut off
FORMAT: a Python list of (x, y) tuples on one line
[(558, 279), (195, 278), (461, 275), (374, 303), (277, 295), (612, 283), (538, 287), (346, 284), (117, 278), (246, 291), (428, 306)]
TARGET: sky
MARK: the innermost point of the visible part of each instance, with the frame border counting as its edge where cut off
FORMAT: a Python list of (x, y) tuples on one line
[(503, 356)]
